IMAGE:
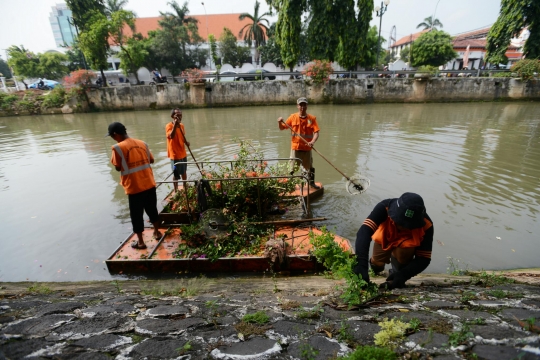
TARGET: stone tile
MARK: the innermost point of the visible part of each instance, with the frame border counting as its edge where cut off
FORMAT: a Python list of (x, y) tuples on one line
[(488, 303), (290, 328), (241, 297), (424, 316), (470, 315), (428, 341), (167, 326), (363, 331), (25, 305), (319, 345), (60, 308), (496, 332), (157, 348), (107, 310), (6, 319), (492, 352), (129, 299), (167, 311), (102, 342), (18, 349), (437, 304), (84, 356), (532, 302), (338, 315), (94, 326), (213, 334), (254, 348), (521, 314), (37, 327)]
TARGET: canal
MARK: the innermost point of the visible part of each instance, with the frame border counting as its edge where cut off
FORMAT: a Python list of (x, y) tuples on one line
[(477, 165)]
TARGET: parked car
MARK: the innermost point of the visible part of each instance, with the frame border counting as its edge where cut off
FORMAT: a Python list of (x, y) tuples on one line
[(47, 85), (256, 74)]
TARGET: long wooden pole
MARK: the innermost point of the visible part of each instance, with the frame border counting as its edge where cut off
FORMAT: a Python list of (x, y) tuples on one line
[(185, 142), (304, 140)]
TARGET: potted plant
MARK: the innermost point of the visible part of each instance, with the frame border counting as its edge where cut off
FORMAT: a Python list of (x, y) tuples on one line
[(194, 76)]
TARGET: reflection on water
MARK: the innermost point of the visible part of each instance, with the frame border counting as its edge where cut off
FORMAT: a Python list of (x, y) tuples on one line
[(476, 165)]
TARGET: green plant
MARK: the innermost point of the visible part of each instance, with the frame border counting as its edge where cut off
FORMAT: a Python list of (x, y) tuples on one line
[(185, 348), (55, 99), (319, 71), (460, 337), (117, 286), (489, 280), (40, 289), (259, 317), (344, 334), (527, 69), (477, 321), (370, 353), (499, 294), (468, 296), (431, 70), (308, 352), (314, 313), (454, 267), (414, 324), (7, 101), (504, 74), (392, 333)]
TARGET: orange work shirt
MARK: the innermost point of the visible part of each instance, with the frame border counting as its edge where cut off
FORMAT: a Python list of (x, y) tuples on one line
[(176, 148), (305, 127), (389, 237), (134, 158)]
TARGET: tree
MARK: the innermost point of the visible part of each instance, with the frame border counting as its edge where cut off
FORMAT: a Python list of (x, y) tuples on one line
[(433, 48), (26, 64), (231, 52), (429, 23), (4, 69), (94, 42), (255, 30), (271, 52), (83, 10), (370, 44), (75, 56), (112, 6), (288, 29), (514, 16), (213, 51), (405, 54)]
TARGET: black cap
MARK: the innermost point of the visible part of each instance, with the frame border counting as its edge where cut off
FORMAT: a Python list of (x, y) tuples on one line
[(408, 211), (116, 128)]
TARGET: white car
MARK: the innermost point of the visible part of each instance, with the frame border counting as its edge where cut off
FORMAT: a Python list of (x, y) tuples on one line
[(224, 76)]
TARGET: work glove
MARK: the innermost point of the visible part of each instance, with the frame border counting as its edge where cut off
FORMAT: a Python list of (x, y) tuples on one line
[(394, 281)]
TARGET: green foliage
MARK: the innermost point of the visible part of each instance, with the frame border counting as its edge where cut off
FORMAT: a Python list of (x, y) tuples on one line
[(259, 317), (213, 50), (7, 102), (40, 289), (414, 324), (433, 48), (255, 29), (28, 64), (428, 69), (454, 267), (75, 56), (370, 353), (405, 54), (231, 52), (429, 23), (392, 333), (313, 313), (4, 69), (308, 352), (83, 10), (94, 41), (55, 99), (371, 43), (340, 264), (490, 280), (460, 337), (271, 52), (319, 71), (468, 296), (514, 16), (288, 29), (527, 69)]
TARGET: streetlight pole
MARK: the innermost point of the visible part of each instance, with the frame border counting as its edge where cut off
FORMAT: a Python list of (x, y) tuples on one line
[(207, 41), (380, 12), (433, 16)]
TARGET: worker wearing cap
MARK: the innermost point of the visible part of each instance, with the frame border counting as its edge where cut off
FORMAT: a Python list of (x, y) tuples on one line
[(402, 233), (133, 158), (305, 125), (176, 147)]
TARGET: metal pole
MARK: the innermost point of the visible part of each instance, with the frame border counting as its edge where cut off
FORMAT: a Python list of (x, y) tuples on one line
[(379, 40), (433, 16), (207, 40)]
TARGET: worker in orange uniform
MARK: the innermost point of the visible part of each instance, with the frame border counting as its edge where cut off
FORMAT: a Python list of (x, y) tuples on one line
[(305, 125), (133, 158), (176, 147), (402, 233)]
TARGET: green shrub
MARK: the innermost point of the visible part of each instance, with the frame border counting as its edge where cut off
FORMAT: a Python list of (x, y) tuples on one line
[(7, 101), (432, 70), (55, 99), (501, 74), (25, 105), (527, 69), (370, 353), (259, 317), (392, 333)]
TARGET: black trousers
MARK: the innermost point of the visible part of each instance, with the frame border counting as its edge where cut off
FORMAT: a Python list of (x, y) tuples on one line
[(138, 204)]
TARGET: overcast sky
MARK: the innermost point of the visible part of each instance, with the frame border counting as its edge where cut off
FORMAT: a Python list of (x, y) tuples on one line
[(26, 22)]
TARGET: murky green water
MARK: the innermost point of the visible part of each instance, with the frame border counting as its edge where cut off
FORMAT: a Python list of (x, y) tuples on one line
[(476, 165)]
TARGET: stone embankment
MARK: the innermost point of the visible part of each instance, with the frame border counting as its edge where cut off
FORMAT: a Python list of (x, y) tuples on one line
[(201, 318), (342, 91)]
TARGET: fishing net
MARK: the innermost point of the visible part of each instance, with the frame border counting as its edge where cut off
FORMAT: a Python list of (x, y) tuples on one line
[(214, 222), (357, 184)]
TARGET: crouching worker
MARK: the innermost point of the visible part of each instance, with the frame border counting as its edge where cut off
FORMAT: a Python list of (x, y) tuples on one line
[(402, 233), (133, 158)]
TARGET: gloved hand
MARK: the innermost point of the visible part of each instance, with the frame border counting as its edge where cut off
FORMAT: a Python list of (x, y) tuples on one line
[(394, 281)]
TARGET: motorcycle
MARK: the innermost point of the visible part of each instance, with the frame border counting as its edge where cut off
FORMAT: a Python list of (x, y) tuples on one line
[(156, 80), (44, 87)]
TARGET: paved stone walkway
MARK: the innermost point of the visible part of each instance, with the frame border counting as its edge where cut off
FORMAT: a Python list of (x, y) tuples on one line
[(201, 318)]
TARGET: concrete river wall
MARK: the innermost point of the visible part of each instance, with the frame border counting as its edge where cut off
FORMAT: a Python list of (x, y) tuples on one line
[(342, 91)]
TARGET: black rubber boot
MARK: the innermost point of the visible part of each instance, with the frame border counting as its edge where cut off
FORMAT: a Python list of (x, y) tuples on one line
[(376, 269), (312, 179)]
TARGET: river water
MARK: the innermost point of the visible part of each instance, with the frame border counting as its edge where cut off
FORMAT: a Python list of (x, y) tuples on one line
[(477, 166)]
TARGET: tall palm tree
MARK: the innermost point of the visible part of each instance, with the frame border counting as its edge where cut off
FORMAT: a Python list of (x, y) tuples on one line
[(114, 5), (256, 29), (429, 23), (179, 15)]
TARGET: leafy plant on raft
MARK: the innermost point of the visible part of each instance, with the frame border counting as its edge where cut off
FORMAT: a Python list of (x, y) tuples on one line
[(340, 264), (245, 192)]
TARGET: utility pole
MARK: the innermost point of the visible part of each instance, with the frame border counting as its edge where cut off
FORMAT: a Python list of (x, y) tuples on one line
[(380, 10)]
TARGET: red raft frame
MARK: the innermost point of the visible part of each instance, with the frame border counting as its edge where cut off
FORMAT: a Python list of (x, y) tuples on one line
[(159, 257)]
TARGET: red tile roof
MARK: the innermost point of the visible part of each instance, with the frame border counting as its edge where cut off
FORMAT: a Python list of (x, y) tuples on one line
[(475, 34), (408, 39), (216, 23)]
